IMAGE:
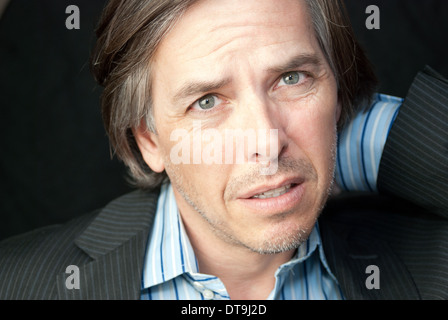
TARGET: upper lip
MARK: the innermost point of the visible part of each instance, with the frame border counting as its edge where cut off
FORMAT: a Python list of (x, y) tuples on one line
[(267, 187)]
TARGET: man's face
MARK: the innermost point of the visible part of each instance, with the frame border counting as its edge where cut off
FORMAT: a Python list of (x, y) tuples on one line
[(239, 65)]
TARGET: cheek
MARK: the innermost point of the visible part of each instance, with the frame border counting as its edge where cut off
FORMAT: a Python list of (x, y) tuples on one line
[(320, 131), (313, 131), (185, 163)]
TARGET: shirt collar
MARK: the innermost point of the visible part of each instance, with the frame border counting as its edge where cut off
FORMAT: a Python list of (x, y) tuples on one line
[(169, 252), (306, 250)]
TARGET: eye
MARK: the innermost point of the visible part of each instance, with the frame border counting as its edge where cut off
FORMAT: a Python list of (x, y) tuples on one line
[(207, 102), (291, 78)]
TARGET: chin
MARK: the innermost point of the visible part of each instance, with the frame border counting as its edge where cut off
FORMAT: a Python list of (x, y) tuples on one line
[(283, 238)]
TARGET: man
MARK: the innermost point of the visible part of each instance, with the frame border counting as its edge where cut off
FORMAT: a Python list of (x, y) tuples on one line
[(220, 226)]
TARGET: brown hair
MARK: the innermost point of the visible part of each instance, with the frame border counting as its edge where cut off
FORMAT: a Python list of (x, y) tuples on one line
[(129, 32)]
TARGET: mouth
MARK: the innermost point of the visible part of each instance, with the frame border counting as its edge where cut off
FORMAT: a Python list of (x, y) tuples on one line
[(274, 192), (275, 198)]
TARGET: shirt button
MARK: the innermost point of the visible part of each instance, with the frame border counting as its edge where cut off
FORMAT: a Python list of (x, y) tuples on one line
[(208, 294), (199, 286)]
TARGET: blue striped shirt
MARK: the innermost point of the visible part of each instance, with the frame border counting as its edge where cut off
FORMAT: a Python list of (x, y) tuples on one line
[(171, 269), (362, 142)]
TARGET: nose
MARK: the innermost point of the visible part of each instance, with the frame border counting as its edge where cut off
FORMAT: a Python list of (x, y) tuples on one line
[(259, 115)]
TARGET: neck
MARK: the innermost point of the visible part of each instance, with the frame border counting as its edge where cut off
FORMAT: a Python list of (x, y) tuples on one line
[(247, 275)]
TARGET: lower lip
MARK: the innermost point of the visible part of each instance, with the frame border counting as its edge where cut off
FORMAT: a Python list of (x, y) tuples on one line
[(283, 203)]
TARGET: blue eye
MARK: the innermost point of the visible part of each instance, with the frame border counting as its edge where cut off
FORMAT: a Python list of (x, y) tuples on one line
[(291, 78), (207, 102)]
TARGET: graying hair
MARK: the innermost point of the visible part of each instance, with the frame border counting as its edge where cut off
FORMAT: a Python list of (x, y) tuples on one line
[(129, 33)]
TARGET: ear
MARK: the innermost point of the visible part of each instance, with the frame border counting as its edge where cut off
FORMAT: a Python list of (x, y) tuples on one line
[(148, 143)]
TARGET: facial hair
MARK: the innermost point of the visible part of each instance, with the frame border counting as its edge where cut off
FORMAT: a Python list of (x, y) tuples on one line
[(285, 241)]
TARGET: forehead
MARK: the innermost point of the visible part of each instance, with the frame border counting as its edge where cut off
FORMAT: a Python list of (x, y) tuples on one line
[(214, 36), (215, 23)]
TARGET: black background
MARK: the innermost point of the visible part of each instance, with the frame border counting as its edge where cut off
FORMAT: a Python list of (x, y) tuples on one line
[(55, 157)]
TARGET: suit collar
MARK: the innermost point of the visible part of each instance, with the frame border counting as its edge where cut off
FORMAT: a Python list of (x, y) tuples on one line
[(120, 220), (116, 241)]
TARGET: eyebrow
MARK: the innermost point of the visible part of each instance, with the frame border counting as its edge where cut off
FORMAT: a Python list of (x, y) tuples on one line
[(296, 62), (195, 88)]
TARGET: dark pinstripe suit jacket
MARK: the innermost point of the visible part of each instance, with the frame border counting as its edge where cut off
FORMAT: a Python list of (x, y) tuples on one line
[(404, 231)]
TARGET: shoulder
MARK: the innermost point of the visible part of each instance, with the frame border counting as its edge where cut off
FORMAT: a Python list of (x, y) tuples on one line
[(51, 238), (29, 261)]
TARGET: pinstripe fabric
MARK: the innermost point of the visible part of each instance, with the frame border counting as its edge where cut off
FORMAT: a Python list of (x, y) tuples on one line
[(116, 242), (108, 250), (171, 270), (408, 245), (415, 167), (361, 144), (419, 145), (30, 262)]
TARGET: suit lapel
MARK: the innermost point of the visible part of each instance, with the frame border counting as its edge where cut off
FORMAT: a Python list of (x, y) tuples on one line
[(116, 242), (349, 253)]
